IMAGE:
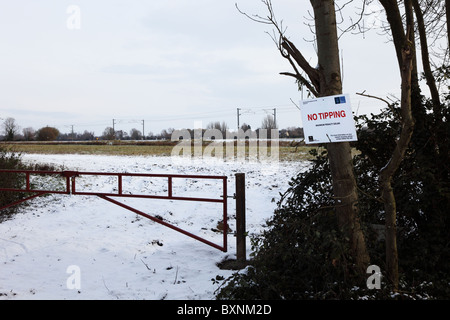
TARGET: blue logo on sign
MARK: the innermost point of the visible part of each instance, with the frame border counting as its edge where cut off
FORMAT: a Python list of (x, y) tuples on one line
[(339, 100)]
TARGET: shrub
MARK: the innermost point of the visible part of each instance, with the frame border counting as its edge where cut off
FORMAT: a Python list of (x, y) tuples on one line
[(302, 254), (47, 134), (9, 160)]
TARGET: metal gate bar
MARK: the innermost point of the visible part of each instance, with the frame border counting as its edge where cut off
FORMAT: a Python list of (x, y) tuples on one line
[(223, 248), (28, 173), (70, 188), (24, 199)]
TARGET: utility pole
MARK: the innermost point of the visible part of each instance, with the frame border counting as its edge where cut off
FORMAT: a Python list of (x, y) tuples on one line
[(143, 129), (275, 117), (114, 129), (72, 132), (238, 114)]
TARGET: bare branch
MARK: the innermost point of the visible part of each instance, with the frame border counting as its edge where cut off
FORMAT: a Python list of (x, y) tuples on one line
[(311, 72), (287, 49), (255, 18), (302, 80), (374, 97), (353, 25), (296, 105), (389, 104)]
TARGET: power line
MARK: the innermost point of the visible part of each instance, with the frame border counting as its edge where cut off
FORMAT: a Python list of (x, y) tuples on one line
[(251, 110)]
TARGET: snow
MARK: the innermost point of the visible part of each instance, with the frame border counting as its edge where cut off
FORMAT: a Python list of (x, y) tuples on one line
[(83, 247)]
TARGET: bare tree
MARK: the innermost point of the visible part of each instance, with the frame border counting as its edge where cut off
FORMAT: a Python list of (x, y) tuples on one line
[(387, 173), (10, 128), (121, 135), (28, 133), (401, 28), (221, 126), (108, 134), (167, 133), (325, 80), (86, 135), (268, 123), (135, 134), (425, 13)]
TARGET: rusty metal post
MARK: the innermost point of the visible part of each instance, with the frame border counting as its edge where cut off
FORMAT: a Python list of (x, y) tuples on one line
[(240, 218), (28, 181), (225, 214), (119, 177), (169, 187)]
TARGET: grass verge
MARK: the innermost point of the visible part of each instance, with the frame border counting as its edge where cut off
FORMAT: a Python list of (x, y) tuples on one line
[(288, 150)]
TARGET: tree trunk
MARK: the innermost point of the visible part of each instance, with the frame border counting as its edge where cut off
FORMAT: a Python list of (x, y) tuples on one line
[(447, 15), (409, 15), (339, 154), (395, 21), (404, 47), (389, 170)]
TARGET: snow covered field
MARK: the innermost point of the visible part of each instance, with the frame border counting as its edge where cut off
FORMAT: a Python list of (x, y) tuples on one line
[(83, 247)]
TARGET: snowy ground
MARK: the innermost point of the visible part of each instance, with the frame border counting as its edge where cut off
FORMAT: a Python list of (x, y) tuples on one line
[(83, 247)]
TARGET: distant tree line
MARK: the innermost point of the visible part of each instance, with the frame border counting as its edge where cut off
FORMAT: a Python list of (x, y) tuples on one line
[(11, 131), (268, 123)]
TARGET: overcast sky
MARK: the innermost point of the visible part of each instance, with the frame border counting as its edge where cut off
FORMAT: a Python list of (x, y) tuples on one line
[(170, 63)]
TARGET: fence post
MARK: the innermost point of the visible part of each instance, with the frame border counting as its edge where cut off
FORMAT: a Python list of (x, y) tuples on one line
[(240, 218)]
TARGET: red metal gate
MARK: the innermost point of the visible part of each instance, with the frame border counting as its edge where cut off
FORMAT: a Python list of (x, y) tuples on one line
[(70, 188)]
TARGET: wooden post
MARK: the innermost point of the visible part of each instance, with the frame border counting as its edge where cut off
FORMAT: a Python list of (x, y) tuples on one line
[(240, 218)]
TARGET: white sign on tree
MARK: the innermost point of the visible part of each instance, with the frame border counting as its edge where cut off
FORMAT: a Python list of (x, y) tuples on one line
[(328, 119)]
